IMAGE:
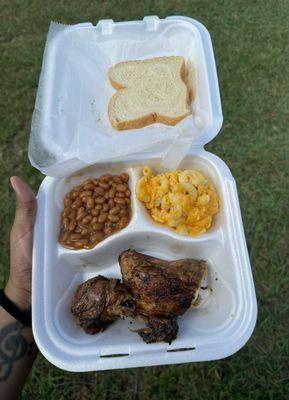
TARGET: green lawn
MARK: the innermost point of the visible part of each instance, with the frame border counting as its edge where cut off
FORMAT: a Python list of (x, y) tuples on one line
[(250, 40)]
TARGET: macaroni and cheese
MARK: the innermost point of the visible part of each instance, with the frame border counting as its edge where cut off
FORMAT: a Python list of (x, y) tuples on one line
[(184, 200)]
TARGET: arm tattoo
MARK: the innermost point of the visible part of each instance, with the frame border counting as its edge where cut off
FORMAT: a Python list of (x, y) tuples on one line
[(13, 346)]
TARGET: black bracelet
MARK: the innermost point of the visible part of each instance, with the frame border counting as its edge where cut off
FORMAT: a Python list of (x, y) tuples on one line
[(22, 316)]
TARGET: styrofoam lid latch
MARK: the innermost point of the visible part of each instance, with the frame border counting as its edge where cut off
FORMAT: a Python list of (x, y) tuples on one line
[(70, 126), (151, 22), (105, 26)]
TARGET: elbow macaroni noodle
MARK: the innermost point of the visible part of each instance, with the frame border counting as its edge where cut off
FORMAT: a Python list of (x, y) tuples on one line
[(184, 200)]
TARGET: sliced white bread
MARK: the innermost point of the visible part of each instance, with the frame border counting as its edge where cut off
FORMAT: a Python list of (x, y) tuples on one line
[(148, 91)]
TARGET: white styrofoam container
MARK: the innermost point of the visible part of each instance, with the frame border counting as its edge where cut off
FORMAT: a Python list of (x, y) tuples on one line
[(218, 329)]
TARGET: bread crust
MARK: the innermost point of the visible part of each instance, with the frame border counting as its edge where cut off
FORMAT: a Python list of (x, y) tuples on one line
[(150, 118)]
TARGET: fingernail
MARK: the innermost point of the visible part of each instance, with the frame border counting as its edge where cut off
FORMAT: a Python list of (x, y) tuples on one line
[(13, 183)]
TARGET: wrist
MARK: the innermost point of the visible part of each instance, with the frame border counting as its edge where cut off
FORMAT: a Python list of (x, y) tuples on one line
[(19, 297)]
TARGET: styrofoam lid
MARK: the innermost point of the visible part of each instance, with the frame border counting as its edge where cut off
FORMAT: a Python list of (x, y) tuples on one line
[(70, 126)]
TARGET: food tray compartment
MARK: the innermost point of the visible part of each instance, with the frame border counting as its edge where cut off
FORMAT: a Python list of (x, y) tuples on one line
[(227, 316)]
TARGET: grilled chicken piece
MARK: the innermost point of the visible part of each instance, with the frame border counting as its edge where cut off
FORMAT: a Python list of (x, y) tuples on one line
[(161, 290), (100, 301), (154, 291)]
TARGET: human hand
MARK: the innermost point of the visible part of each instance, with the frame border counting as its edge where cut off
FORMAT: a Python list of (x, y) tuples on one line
[(18, 288)]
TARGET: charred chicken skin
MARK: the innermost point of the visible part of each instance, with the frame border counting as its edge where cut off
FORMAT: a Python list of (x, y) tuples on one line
[(162, 290), (159, 330), (100, 301)]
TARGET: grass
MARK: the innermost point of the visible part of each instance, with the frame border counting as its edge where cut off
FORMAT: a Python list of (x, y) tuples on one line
[(251, 47)]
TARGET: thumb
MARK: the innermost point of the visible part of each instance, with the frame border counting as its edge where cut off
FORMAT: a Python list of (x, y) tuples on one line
[(25, 203)]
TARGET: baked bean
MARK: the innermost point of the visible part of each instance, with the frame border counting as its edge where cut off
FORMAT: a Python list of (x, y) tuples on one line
[(72, 214), (86, 193), (106, 195), (127, 193), (81, 215), (123, 212), (86, 220), (72, 225), (94, 220), (75, 236), (77, 188), (77, 203), (80, 210), (121, 187), (105, 178), (99, 191), (105, 207), (67, 201), (66, 212), (98, 207), (85, 232), (104, 185), (95, 182), (116, 179), (113, 218), (119, 200), (96, 237), (80, 243), (73, 195), (65, 223), (111, 193), (99, 200), (111, 203), (115, 210), (127, 200), (108, 230), (97, 227), (120, 194), (90, 202), (64, 236), (122, 222), (95, 212), (102, 218), (124, 177), (88, 180), (88, 186)]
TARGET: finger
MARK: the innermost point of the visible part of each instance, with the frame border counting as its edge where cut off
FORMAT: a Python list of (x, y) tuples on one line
[(25, 203)]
